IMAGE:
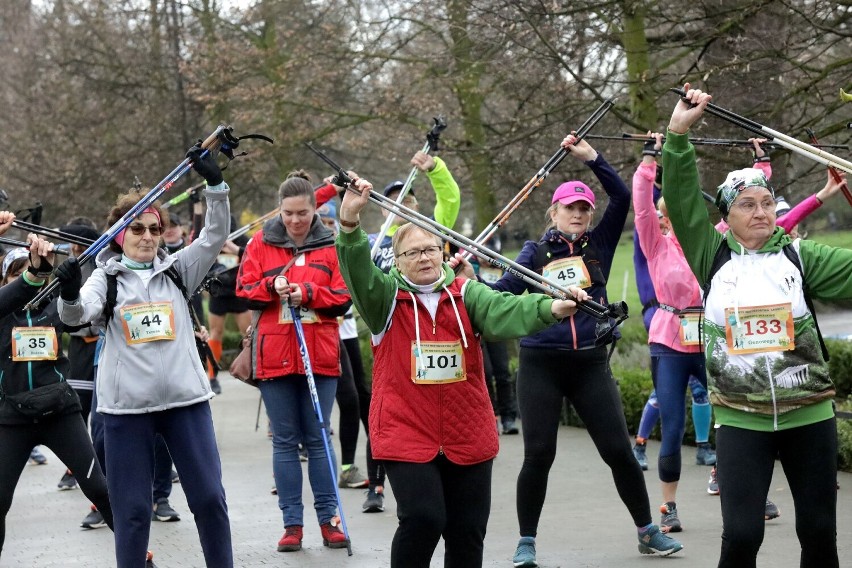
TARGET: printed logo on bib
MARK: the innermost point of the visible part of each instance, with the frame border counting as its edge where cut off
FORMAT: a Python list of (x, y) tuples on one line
[(761, 329), (34, 344), (307, 314), (439, 362), (689, 328), (570, 271), (148, 322)]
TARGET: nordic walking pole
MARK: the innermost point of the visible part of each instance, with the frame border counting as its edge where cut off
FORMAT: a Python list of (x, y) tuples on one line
[(22, 244), (835, 175), (609, 316), (221, 136), (780, 138), (248, 227), (539, 177), (51, 233), (627, 137), (312, 386), (431, 144)]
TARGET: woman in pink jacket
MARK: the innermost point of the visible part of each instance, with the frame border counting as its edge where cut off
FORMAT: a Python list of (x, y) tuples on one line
[(673, 336)]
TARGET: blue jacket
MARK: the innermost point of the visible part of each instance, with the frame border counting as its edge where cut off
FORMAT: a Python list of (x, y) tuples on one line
[(596, 246)]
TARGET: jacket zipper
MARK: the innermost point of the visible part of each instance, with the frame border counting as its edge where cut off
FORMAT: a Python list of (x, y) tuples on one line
[(30, 363)]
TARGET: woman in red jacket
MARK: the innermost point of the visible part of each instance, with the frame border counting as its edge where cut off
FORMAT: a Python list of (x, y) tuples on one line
[(292, 262)]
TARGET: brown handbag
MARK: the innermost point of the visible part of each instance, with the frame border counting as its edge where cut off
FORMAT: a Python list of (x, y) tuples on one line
[(241, 367)]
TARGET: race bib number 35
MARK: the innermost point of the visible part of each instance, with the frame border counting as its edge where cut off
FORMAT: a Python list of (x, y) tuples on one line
[(148, 322), (570, 271), (439, 362), (307, 315), (34, 344), (760, 329)]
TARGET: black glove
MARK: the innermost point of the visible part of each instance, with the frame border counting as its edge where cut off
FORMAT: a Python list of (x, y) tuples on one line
[(70, 279), (648, 148), (205, 166), (43, 271), (195, 194)]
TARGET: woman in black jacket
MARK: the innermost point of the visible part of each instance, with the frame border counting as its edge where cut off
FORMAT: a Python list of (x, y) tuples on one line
[(32, 365)]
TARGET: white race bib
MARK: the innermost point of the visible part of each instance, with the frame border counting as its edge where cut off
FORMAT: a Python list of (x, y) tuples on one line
[(148, 322), (438, 362), (307, 315), (760, 329), (689, 328), (569, 271), (34, 344)]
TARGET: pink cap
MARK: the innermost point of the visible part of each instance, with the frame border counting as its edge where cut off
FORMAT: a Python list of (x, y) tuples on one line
[(572, 191)]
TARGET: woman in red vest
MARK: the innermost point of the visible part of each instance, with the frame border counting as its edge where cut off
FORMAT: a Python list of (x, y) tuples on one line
[(431, 420)]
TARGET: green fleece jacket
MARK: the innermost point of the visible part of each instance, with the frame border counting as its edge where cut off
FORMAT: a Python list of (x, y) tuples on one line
[(496, 315), (763, 391)]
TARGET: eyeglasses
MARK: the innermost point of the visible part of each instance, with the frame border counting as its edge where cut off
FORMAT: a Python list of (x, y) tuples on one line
[(137, 229), (414, 254), (750, 207)]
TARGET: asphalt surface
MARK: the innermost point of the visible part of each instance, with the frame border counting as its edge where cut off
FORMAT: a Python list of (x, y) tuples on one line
[(584, 524)]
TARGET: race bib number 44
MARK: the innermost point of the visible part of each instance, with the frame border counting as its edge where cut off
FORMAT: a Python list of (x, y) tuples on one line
[(760, 329), (148, 322), (438, 362), (34, 344), (570, 271)]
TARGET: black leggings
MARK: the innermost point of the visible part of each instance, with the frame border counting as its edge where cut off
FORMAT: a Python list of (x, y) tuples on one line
[(375, 471), (746, 459), (436, 499), (347, 401), (544, 378), (68, 438)]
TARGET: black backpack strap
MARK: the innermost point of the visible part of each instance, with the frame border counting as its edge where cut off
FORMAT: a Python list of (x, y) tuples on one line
[(723, 255), (793, 256), (175, 277), (111, 297)]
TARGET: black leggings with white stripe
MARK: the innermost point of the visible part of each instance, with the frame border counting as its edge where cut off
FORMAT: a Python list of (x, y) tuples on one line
[(68, 438)]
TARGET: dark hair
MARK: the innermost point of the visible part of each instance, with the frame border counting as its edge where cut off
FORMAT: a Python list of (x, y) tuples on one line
[(15, 266), (297, 184), (125, 203)]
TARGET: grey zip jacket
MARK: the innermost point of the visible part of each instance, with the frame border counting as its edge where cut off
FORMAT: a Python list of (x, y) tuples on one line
[(158, 375)]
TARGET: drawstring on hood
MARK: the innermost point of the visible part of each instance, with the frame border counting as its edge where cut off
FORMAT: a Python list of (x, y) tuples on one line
[(433, 288)]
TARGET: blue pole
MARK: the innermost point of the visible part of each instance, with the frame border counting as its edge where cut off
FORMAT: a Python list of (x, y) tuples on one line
[(312, 386)]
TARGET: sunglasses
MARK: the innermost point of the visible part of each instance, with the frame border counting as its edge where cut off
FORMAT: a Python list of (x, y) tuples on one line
[(138, 229)]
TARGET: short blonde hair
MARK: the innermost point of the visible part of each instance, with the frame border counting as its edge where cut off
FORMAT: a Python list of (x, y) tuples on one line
[(661, 205), (404, 231)]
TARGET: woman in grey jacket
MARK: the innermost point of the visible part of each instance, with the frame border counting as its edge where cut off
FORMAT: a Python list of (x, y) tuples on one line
[(151, 380)]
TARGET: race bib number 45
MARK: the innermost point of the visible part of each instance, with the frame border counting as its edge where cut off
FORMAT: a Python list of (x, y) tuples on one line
[(760, 329), (570, 271), (148, 322), (438, 362), (34, 344)]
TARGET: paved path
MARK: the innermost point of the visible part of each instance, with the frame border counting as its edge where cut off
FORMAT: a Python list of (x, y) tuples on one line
[(583, 522)]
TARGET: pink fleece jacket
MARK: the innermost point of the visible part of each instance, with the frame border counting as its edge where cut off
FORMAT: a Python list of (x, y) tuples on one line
[(674, 283)]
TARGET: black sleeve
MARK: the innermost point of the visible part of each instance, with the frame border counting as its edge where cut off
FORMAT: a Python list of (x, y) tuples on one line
[(15, 295)]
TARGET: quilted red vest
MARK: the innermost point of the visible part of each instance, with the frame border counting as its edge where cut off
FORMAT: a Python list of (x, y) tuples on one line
[(415, 422)]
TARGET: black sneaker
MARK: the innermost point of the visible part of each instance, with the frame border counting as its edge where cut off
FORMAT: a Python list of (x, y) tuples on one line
[(509, 426), (163, 512), (375, 502), (94, 520), (670, 521), (175, 477), (67, 482), (215, 386), (771, 511)]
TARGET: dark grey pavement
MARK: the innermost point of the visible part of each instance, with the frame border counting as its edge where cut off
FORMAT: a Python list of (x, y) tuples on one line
[(583, 524)]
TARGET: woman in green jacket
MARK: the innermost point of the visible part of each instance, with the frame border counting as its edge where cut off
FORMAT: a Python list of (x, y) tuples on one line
[(767, 376)]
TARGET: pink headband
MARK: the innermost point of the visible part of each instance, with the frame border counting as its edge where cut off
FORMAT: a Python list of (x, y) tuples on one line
[(119, 238)]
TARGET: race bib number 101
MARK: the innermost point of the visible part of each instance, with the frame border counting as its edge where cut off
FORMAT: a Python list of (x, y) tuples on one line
[(438, 362)]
